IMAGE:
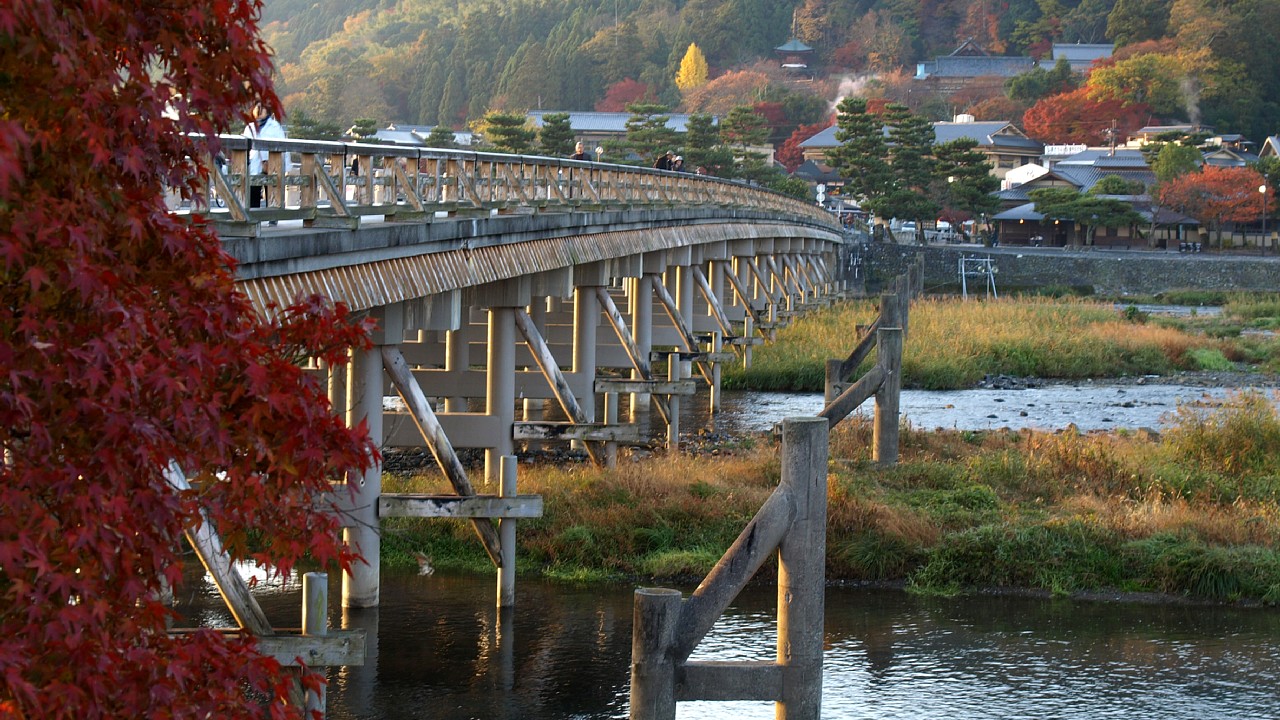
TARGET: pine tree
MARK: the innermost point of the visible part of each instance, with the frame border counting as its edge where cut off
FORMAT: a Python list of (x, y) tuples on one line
[(963, 180), (647, 135), (556, 136), (862, 156), (693, 69), (441, 136), (507, 132), (912, 164)]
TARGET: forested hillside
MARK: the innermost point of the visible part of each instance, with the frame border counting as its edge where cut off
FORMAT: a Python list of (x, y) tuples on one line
[(449, 61)]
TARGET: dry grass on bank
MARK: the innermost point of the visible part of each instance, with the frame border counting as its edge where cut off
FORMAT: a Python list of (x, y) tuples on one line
[(954, 343), (1195, 510)]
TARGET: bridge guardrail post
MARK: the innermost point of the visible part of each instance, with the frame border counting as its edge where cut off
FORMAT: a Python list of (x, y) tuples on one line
[(888, 396), (802, 557), (653, 666)]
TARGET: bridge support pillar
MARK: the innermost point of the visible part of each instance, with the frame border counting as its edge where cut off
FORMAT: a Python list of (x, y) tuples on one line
[(535, 408), (684, 304), (587, 281), (500, 387), (456, 360), (642, 330), (364, 403), (507, 537)]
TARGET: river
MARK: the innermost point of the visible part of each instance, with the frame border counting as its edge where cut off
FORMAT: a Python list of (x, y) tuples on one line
[(439, 649), (1047, 406)]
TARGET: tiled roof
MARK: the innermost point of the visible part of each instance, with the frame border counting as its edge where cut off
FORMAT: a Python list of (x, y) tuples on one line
[(1079, 56), (987, 134), (416, 135), (1022, 212), (1091, 157), (978, 66), (816, 172), (1087, 177), (607, 122), (793, 46), (824, 139)]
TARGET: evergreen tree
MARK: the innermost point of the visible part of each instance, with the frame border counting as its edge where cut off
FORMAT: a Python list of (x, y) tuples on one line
[(364, 128), (963, 180), (507, 132), (1133, 21), (862, 156), (1175, 159), (693, 70), (1038, 83), (441, 136), (453, 101), (743, 128), (648, 135), (702, 146), (556, 136), (305, 127), (912, 164)]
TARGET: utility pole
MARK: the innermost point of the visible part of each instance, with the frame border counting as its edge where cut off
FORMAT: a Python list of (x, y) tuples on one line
[(1111, 137)]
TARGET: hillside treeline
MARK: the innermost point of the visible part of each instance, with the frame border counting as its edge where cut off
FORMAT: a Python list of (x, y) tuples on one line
[(449, 61)]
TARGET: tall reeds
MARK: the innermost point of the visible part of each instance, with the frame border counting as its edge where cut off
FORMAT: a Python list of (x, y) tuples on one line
[(954, 343)]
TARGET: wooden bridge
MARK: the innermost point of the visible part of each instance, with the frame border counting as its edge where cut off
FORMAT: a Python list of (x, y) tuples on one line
[(517, 299)]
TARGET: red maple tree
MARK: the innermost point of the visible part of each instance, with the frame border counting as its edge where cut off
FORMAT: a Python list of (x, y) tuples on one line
[(790, 154), (125, 346), (1073, 117), (623, 93), (1216, 196)]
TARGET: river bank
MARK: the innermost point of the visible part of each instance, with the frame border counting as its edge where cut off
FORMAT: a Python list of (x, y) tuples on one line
[(1189, 508), (1190, 512)]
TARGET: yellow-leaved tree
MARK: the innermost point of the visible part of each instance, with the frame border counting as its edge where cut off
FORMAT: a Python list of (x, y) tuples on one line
[(693, 69)]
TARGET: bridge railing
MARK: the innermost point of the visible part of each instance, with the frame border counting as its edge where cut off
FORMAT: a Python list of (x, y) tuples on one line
[(327, 184)]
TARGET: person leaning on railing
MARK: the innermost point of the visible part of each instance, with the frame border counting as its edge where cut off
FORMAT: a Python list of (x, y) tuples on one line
[(265, 127)]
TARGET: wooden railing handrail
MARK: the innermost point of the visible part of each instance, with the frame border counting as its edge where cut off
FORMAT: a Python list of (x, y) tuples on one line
[(325, 183)]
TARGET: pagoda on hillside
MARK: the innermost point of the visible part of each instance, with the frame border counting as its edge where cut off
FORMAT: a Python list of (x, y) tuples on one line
[(795, 59)]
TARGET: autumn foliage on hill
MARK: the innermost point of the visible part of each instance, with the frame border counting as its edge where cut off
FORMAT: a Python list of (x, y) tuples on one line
[(125, 346), (1075, 117)]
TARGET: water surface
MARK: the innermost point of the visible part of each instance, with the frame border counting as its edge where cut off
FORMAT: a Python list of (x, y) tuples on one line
[(438, 649)]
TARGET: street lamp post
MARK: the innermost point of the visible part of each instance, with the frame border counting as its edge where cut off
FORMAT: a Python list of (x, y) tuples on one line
[(1262, 189)]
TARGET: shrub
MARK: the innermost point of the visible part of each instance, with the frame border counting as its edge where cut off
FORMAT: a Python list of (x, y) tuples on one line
[(1239, 438)]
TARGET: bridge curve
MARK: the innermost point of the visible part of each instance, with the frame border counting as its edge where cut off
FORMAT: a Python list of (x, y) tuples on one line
[(421, 221), (510, 289)]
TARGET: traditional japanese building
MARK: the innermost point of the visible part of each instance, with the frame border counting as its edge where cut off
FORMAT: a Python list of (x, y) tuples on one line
[(796, 58)]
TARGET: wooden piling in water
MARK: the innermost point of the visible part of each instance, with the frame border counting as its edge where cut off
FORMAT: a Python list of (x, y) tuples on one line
[(507, 537), (802, 557), (666, 630), (315, 622)]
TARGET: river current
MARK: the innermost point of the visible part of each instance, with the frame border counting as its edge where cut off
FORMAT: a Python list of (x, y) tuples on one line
[(439, 649)]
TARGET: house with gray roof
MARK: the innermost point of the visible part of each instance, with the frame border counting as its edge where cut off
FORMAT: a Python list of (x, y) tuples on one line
[(1019, 223), (1005, 146), (1080, 56), (403, 134), (593, 127), (1270, 147), (969, 65)]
